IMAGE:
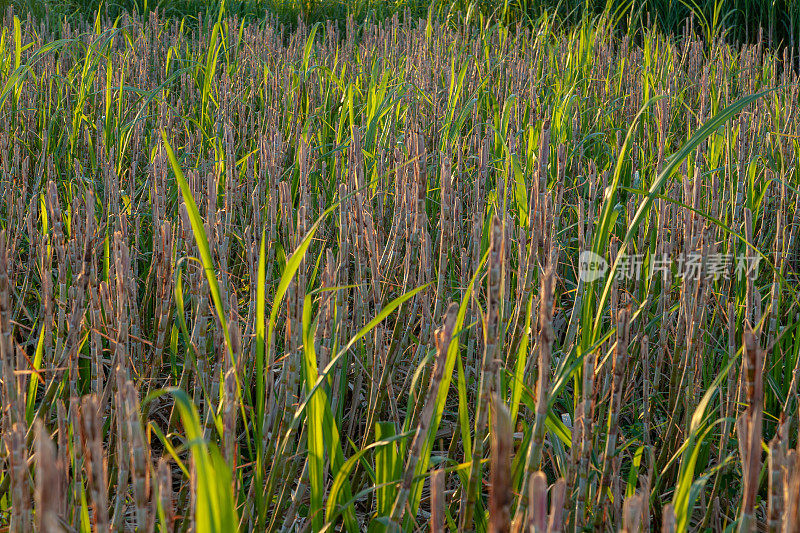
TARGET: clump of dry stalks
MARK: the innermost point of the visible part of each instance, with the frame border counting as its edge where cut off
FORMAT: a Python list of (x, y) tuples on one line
[(257, 278)]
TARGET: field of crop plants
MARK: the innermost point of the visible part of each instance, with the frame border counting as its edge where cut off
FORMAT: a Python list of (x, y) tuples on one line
[(407, 274)]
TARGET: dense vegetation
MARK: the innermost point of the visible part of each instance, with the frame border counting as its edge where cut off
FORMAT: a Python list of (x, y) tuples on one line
[(334, 277), (775, 21)]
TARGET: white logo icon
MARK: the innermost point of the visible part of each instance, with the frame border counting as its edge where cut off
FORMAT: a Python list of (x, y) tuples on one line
[(591, 266)]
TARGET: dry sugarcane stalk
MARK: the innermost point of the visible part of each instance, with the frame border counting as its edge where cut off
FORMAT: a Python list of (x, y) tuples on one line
[(139, 460), (748, 429), (619, 365), (533, 457), (123, 470), (489, 380), (48, 483), (632, 513), (537, 494), (500, 487), (165, 495), (94, 463), (668, 513), (776, 482), (20, 489), (443, 338), (437, 501), (555, 523)]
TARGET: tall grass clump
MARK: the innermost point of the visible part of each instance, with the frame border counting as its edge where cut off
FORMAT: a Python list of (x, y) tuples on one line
[(326, 278)]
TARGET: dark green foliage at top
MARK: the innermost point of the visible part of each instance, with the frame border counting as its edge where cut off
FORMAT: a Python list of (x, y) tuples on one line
[(775, 22)]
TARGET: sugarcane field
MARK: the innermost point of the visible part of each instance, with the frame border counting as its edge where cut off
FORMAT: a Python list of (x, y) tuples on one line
[(399, 265)]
